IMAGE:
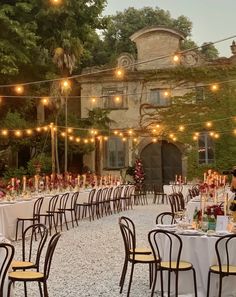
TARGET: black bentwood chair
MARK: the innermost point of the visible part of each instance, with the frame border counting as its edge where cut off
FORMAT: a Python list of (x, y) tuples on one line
[(34, 219), (225, 252), (165, 218), (133, 254), (36, 276), (7, 253), (168, 247), (31, 249)]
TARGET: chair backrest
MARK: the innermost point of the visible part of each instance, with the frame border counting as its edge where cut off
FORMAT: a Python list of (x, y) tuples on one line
[(127, 229), (49, 253), (91, 195), (63, 200), (116, 192), (166, 246), (37, 206), (109, 194), (73, 200), (225, 251), (158, 188), (31, 248), (7, 253), (173, 203), (181, 202), (165, 218), (104, 194), (98, 195), (53, 203)]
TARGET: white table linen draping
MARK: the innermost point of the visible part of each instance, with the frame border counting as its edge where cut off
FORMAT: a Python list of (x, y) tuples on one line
[(169, 189), (200, 251), (10, 212)]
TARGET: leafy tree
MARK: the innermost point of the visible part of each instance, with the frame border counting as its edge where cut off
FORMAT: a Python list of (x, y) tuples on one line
[(209, 51), (122, 25)]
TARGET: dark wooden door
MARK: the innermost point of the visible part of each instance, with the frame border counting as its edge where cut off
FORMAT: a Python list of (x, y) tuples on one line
[(161, 162), (172, 162), (152, 163)]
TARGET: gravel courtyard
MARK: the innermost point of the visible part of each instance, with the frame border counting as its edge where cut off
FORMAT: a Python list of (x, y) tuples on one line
[(89, 258)]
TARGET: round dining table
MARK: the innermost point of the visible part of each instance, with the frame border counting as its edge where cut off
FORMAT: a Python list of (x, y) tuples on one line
[(200, 251)]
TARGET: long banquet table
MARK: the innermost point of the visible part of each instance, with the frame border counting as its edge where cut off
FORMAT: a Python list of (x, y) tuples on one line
[(10, 211)]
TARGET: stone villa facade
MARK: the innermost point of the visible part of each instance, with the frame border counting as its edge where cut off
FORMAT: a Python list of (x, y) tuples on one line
[(125, 97)]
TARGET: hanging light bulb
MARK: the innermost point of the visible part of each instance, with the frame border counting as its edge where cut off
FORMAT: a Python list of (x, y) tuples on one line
[(209, 124), (45, 101), (29, 131), (4, 132), (176, 58), (181, 128), (154, 140), (18, 133), (19, 89), (119, 73), (214, 87)]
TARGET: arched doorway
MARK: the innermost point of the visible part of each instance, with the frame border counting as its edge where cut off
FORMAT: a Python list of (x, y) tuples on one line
[(161, 162)]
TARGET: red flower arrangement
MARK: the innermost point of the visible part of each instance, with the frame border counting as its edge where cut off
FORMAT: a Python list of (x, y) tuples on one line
[(215, 210)]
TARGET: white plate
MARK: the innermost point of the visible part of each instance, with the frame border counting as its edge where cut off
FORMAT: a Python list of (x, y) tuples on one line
[(166, 226), (191, 232)]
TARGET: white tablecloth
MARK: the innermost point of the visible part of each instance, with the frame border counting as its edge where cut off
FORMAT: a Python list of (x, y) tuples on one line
[(200, 251), (10, 212), (169, 189)]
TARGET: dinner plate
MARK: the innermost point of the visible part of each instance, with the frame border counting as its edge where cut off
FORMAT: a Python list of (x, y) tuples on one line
[(166, 226), (191, 232)]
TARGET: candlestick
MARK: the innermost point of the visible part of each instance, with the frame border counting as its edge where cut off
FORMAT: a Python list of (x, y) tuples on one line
[(78, 180), (24, 183), (225, 205), (13, 182), (36, 184), (204, 177)]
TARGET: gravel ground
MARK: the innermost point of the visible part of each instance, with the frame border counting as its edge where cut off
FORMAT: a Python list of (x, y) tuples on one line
[(89, 258)]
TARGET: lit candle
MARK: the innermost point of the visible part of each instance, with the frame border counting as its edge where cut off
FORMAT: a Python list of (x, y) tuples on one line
[(185, 180), (36, 184), (95, 181), (13, 182), (205, 177), (78, 180), (225, 205), (176, 178), (24, 183), (215, 197)]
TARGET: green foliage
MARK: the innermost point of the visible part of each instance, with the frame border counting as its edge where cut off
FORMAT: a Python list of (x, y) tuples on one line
[(44, 160), (122, 25), (209, 51), (218, 107), (16, 172)]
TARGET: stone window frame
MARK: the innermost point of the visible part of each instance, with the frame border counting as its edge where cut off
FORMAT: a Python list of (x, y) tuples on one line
[(118, 154), (164, 101), (108, 98)]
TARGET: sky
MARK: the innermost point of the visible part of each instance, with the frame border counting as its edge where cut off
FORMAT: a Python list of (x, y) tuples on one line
[(212, 20)]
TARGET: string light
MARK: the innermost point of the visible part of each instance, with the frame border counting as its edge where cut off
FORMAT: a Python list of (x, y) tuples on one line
[(69, 130), (209, 124), (18, 133), (115, 132), (4, 132), (215, 87), (45, 101), (105, 138), (166, 94), (181, 128), (19, 89), (117, 99), (65, 84), (71, 138), (176, 58), (38, 129), (124, 139), (154, 140), (135, 140), (63, 134), (77, 139), (29, 131), (195, 137), (217, 135), (93, 100), (85, 140), (119, 73)]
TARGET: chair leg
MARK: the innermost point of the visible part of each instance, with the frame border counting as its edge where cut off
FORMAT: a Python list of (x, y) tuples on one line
[(64, 213), (17, 223), (154, 280), (9, 288), (220, 286), (208, 283), (76, 219), (176, 283), (130, 279), (40, 289), (45, 289), (123, 274), (25, 289), (195, 282), (22, 228)]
